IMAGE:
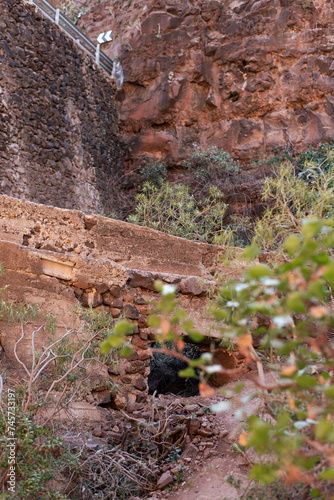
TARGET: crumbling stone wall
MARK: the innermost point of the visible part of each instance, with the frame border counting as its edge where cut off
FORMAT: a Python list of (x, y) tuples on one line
[(58, 123), (58, 277), (59, 281), (134, 247)]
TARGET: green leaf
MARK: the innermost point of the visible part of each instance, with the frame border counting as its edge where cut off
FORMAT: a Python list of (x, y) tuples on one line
[(195, 335), (187, 372), (258, 271), (220, 314), (154, 321), (187, 325), (158, 285), (329, 274), (316, 289), (264, 473), (115, 340), (307, 251), (295, 303), (311, 227), (259, 434), (323, 430), (105, 347), (179, 316), (124, 327), (291, 244), (126, 351), (250, 253), (327, 474), (329, 391), (321, 258), (305, 381), (195, 362)]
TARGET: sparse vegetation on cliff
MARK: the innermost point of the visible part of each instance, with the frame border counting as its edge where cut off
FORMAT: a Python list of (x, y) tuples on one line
[(291, 197), (210, 166)]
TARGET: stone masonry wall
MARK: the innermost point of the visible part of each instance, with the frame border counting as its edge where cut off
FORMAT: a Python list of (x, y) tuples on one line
[(58, 123), (78, 266)]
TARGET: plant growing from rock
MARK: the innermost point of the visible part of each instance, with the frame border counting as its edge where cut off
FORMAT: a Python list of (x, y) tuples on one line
[(211, 165), (153, 171), (291, 199)]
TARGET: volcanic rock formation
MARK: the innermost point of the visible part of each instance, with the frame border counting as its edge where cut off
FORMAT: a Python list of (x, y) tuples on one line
[(248, 76)]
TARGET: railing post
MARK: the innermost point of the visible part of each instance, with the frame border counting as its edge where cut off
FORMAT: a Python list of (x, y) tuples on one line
[(97, 54), (57, 16)]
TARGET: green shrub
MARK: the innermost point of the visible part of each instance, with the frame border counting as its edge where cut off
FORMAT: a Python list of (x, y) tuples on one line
[(211, 165), (174, 210), (153, 171), (270, 161), (322, 157), (291, 199), (41, 457)]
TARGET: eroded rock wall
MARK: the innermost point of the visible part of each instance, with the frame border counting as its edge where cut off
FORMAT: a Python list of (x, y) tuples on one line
[(248, 76), (58, 123)]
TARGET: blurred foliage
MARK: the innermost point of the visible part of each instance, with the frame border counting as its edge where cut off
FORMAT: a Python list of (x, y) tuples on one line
[(290, 309)]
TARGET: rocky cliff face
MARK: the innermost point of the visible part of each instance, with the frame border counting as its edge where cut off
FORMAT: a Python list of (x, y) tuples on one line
[(58, 123), (245, 75)]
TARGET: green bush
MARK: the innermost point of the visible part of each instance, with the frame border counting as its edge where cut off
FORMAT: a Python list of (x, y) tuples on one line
[(291, 199), (40, 457), (322, 157), (174, 210), (153, 171), (211, 165)]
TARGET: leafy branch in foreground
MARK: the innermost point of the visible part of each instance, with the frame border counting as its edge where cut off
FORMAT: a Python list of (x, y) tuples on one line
[(290, 309)]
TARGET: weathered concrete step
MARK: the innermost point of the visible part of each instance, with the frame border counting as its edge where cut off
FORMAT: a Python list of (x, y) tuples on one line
[(134, 247)]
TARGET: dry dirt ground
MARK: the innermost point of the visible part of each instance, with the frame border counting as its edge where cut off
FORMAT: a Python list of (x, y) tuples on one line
[(206, 478)]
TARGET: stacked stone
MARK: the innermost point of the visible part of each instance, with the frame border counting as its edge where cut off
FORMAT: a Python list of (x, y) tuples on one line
[(58, 133), (129, 375)]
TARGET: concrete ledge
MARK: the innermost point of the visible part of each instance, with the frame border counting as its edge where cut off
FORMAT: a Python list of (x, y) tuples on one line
[(135, 247)]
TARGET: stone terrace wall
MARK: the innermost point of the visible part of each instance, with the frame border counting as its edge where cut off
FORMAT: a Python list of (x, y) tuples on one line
[(58, 124), (59, 258)]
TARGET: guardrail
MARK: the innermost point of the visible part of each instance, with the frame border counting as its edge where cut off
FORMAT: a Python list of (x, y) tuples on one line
[(82, 40)]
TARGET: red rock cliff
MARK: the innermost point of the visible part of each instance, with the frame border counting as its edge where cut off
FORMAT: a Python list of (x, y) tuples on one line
[(248, 76)]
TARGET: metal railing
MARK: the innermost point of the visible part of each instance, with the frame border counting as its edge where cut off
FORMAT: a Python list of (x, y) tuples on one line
[(82, 40)]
